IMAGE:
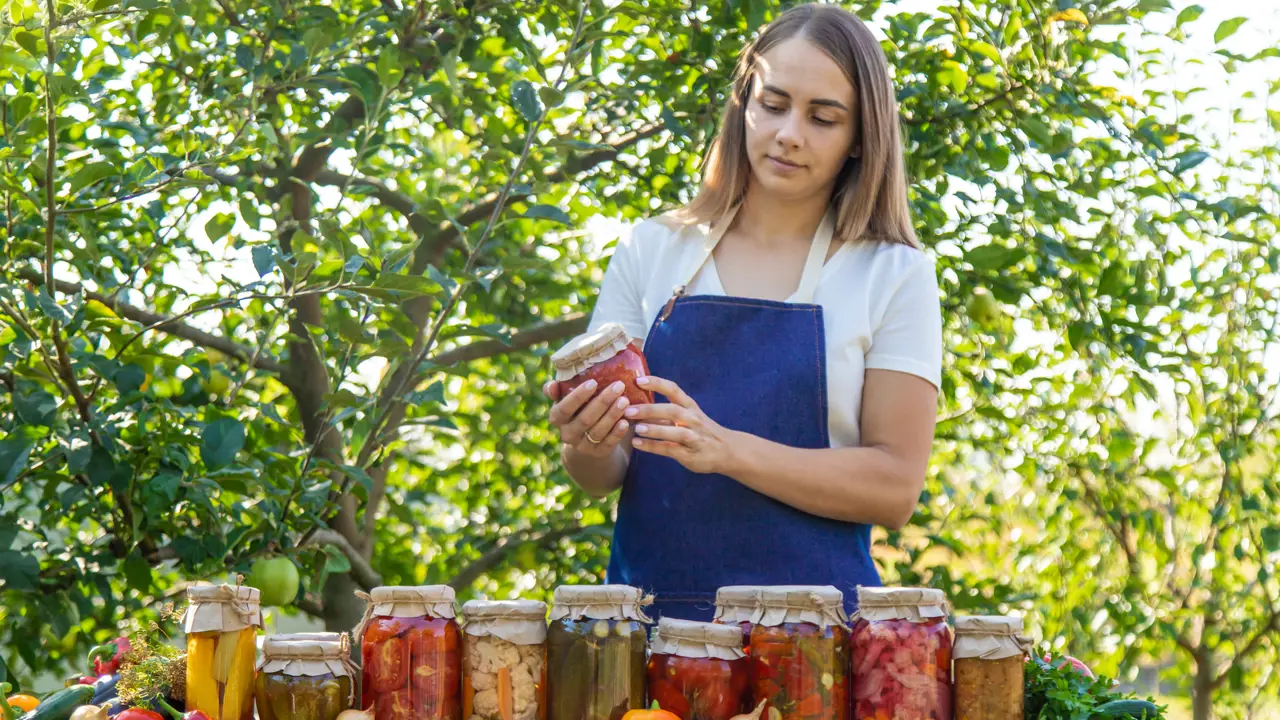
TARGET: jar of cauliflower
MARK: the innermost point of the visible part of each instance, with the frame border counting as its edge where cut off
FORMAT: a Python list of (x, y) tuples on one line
[(504, 658)]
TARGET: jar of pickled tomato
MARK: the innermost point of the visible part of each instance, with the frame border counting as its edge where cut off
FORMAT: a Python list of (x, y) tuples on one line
[(411, 648), (698, 670), (606, 355)]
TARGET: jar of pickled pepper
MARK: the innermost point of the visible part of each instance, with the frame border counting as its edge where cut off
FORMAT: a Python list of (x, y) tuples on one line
[(605, 355), (596, 647), (739, 605), (990, 653), (411, 649), (800, 653), (305, 676), (221, 623), (901, 655), (698, 670), (504, 660)]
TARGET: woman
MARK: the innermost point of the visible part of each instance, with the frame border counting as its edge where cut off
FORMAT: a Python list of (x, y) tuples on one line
[(800, 353)]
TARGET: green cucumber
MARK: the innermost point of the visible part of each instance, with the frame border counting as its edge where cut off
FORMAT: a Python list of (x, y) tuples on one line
[(61, 704), (1132, 708)]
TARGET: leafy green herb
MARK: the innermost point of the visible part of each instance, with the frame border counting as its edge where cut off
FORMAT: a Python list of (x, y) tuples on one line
[(1063, 693)]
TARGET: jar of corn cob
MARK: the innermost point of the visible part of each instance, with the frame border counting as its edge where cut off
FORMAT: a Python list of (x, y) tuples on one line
[(221, 624)]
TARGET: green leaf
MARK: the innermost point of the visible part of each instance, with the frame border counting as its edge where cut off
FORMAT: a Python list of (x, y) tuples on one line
[(90, 174), (1189, 14), (218, 226), (221, 441), (549, 212), (525, 100), (986, 50), (989, 258), (19, 570), (14, 452), (432, 395), (30, 42), (1186, 161), (1227, 28), (137, 571), (389, 70), (264, 258), (34, 406), (953, 75), (408, 284), (130, 378), (550, 96)]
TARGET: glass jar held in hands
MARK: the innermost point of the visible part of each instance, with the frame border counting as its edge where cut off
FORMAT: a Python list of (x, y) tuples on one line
[(595, 383)]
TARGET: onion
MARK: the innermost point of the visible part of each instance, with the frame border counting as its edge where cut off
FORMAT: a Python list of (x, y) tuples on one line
[(355, 715)]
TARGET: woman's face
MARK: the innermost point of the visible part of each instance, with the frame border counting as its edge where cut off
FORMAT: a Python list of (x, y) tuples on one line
[(800, 120)]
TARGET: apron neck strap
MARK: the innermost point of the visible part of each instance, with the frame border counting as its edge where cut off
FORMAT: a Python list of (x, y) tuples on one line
[(809, 278)]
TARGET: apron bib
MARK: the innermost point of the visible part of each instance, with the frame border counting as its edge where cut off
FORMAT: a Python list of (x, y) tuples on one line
[(756, 366)]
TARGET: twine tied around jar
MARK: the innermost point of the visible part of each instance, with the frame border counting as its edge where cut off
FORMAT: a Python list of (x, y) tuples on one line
[(222, 608)]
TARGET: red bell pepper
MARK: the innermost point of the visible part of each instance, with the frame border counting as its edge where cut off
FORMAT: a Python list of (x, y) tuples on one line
[(106, 658), (139, 714)]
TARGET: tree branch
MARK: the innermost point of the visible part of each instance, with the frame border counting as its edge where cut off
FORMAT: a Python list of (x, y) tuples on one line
[(498, 553), (311, 605), (1271, 626), (361, 570), (164, 324), (566, 327)]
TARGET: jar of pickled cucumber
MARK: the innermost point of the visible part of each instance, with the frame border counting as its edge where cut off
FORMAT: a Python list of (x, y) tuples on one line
[(222, 624), (596, 652), (305, 676), (990, 653), (504, 659)]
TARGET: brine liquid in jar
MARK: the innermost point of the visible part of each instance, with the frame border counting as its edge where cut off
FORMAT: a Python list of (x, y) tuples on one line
[(411, 649), (596, 652), (305, 676)]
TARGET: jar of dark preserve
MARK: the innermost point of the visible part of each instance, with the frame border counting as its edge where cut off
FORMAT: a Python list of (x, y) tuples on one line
[(605, 355)]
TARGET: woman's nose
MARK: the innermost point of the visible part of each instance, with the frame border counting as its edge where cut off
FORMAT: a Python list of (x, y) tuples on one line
[(791, 131)]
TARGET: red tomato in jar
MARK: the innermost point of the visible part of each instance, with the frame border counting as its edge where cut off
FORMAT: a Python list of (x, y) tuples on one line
[(669, 697), (628, 366), (382, 628), (395, 706), (386, 665), (437, 676), (436, 708)]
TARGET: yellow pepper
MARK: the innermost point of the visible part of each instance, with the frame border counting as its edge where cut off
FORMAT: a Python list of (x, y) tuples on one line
[(202, 688), (237, 698)]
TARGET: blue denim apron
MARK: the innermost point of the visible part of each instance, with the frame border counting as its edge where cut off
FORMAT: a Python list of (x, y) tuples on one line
[(755, 366)]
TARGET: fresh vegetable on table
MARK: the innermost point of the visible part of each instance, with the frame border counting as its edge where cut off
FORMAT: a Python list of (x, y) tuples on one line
[(61, 704), (89, 712), (653, 713), (106, 658), (1059, 691), (25, 703)]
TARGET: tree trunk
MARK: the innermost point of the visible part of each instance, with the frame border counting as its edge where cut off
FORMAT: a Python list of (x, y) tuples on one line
[(1202, 693), (342, 609)]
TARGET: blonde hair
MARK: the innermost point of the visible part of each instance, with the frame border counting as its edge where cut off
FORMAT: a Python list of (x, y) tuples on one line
[(870, 195)]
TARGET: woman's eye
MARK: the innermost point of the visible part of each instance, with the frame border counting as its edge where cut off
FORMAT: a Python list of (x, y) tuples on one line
[(771, 108), (824, 121)]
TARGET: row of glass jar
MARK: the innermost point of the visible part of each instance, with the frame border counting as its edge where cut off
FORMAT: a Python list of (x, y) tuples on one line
[(792, 651)]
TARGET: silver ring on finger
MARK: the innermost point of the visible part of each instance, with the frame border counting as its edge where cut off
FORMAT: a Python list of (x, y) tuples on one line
[(593, 440)]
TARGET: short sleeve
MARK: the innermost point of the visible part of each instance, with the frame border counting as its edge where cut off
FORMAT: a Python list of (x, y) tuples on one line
[(621, 298), (909, 336)]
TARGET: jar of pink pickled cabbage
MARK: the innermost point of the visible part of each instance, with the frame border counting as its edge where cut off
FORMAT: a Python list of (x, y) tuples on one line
[(901, 655)]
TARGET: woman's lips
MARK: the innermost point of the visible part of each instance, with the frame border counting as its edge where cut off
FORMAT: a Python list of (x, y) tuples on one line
[(783, 166)]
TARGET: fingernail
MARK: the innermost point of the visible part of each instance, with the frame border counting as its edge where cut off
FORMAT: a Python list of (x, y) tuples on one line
[(617, 387), (642, 381), (642, 429), (622, 403), (637, 442), (591, 384), (631, 412), (622, 424)]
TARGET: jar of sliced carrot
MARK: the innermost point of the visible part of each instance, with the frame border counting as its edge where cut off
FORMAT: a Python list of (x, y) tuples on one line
[(221, 624)]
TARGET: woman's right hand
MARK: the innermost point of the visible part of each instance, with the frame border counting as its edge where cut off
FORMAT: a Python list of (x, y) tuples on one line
[(590, 425)]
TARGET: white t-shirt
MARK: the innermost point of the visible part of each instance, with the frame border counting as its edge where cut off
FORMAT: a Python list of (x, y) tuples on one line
[(880, 308)]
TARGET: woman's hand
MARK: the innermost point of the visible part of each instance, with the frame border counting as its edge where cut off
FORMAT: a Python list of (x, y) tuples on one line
[(590, 425), (680, 430)]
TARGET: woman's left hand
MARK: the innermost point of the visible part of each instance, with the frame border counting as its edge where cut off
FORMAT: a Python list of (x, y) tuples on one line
[(680, 430)]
